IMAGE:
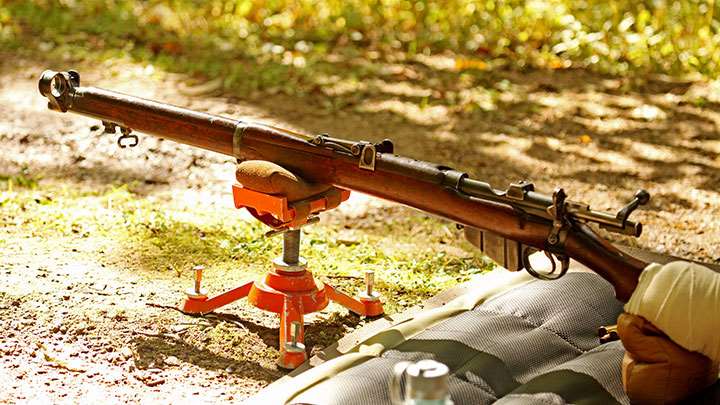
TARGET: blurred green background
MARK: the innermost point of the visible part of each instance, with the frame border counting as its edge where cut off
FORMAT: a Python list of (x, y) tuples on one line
[(287, 45)]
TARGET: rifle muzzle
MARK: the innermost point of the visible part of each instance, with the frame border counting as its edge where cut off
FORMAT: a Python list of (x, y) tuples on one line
[(59, 88)]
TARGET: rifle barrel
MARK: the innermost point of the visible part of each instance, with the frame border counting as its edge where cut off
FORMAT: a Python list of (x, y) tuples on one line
[(426, 186)]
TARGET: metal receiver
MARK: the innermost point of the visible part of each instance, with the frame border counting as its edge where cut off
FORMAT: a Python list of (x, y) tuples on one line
[(563, 213), (523, 197)]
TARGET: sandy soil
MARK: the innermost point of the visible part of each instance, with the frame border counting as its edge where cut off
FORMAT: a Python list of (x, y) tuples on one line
[(78, 330)]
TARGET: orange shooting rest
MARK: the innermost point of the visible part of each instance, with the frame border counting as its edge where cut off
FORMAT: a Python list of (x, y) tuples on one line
[(289, 289)]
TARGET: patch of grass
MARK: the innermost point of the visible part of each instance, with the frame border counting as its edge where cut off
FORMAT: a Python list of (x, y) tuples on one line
[(290, 47), (22, 179), (163, 236)]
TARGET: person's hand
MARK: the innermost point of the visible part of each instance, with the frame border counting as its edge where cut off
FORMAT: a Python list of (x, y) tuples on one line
[(655, 369)]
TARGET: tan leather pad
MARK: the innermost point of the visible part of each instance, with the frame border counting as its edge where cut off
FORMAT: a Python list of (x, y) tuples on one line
[(270, 178)]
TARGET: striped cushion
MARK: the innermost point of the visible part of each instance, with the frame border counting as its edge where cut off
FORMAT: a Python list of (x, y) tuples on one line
[(536, 343), (533, 344)]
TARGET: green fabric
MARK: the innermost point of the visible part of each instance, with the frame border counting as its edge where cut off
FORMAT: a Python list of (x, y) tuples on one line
[(492, 370), (465, 360), (575, 388)]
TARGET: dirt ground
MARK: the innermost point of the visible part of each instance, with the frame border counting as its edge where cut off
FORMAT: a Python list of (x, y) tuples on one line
[(78, 330)]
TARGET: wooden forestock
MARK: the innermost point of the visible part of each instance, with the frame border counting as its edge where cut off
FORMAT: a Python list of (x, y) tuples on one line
[(418, 184)]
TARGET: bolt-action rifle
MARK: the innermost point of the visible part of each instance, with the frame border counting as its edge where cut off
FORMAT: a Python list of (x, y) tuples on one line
[(550, 223)]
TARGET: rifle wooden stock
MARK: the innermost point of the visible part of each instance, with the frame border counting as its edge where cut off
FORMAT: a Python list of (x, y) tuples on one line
[(422, 185)]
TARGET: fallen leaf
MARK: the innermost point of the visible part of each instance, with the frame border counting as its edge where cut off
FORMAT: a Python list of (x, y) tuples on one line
[(465, 64)]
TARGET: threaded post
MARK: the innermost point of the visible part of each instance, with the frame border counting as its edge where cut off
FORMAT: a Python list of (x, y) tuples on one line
[(198, 278), (291, 246)]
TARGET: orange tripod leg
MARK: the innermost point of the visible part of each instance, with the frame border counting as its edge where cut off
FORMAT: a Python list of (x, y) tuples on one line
[(292, 334), (345, 300), (203, 305), (363, 307)]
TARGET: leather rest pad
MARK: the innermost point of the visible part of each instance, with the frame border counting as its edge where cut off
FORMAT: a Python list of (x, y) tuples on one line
[(270, 178)]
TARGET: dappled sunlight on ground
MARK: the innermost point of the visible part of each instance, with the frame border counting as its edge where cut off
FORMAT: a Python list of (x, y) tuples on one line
[(118, 230), (97, 243), (412, 112)]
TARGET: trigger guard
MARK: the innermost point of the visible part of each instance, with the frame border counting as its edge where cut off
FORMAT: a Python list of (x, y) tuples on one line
[(564, 264)]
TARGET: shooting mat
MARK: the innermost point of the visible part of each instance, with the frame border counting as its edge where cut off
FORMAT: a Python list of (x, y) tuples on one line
[(510, 340)]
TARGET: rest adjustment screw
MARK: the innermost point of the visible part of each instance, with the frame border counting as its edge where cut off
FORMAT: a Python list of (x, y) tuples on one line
[(197, 292), (369, 294)]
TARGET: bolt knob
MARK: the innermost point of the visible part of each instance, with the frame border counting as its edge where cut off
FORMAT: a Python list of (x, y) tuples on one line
[(642, 196)]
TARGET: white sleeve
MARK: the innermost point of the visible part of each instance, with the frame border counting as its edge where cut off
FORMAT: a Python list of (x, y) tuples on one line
[(683, 300)]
